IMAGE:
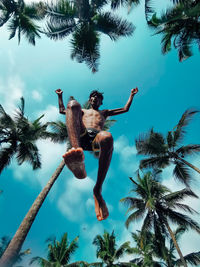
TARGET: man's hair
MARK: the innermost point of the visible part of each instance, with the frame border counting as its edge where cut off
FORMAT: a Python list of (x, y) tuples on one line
[(95, 92)]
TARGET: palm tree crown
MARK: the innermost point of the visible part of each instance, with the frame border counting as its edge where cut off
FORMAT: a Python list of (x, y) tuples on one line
[(179, 24), (86, 20), (106, 248), (59, 252), (162, 151), (158, 206), (145, 249), (21, 18), (18, 137)]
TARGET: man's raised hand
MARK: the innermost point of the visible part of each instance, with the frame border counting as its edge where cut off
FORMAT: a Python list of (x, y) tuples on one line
[(134, 91), (59, 92)]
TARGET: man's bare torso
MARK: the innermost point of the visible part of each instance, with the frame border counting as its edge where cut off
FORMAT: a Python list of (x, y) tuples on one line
[(94, 118)]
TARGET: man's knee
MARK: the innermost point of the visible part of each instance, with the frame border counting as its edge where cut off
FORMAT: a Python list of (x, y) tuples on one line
[(106, 140), (74, 105)]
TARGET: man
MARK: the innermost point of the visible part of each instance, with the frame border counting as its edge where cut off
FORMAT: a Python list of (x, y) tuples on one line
[(84, 127)]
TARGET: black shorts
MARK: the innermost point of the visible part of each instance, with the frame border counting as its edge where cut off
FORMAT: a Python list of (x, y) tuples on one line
[(87, 140)]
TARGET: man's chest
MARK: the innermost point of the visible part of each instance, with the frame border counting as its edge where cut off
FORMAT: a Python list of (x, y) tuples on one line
[(93, 115)]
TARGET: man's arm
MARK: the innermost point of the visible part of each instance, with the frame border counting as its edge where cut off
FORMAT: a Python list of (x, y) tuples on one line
[(59, 92), (117, 111)]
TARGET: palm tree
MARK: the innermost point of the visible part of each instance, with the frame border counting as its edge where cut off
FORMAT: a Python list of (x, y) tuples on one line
[(107, 251), (157, 205), (162, 151), (11, 253), (179, 25), (59, 252), (18, 138), (85, 20), (146, 248), (21, 18)]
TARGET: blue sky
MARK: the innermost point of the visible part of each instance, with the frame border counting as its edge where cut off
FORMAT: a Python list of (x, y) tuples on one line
[(166, 89)]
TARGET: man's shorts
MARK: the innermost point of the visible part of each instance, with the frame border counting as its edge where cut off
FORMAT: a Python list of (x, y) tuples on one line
[(87, 140)]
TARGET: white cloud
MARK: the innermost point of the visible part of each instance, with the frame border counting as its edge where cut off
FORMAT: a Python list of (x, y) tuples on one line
[(51, 113), (36, 95), (74, 201), (127, 153), (10, 92)]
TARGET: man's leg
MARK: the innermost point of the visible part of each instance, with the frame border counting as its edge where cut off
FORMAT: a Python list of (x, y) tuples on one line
[(105, 141), (74, 158)]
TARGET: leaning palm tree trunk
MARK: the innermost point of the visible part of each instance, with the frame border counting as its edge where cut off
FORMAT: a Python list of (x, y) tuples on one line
[(176, 244), (10, 254), (189, 164)]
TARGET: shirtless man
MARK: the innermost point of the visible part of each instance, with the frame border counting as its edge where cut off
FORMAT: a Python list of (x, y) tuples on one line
[(85, 132)]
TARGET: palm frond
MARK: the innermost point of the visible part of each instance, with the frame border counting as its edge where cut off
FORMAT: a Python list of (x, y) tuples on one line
[(181, 219), (147, 223), (60, 30), (188, 150), (155, 162), (59, 132), (28, 152), (113, 26), (123, 248), (4, 242), (133, 203), (35, 11), (148, 10), (191, 258), (6, 155), (138, 214), (152, 143), (179, 195), (183, 122), (85, 46), (43, 262), (60, 11), (182, 173), (108, 124)]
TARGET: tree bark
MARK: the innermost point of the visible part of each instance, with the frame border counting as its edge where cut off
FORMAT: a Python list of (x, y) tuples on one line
[(13, 249), (176, 244), (189, 164)]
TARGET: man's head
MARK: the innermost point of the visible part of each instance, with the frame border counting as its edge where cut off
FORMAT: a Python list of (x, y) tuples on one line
[(96, 99)]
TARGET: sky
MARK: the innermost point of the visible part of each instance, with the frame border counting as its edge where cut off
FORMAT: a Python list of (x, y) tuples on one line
[(166, 89)]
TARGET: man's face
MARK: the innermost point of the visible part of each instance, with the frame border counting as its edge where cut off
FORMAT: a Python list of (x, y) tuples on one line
[(95, 101)]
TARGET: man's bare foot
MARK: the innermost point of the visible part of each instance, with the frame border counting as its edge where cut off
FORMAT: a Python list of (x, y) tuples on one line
[(74, 159), (101, 209)]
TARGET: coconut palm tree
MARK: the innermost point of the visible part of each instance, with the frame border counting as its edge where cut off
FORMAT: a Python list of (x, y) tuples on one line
[(146, 249), (85, 20), (11, 253), (21, 18), (18, 138), (157, 206), (107, 249), (162, 151), (59, 252), (180, 26)]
